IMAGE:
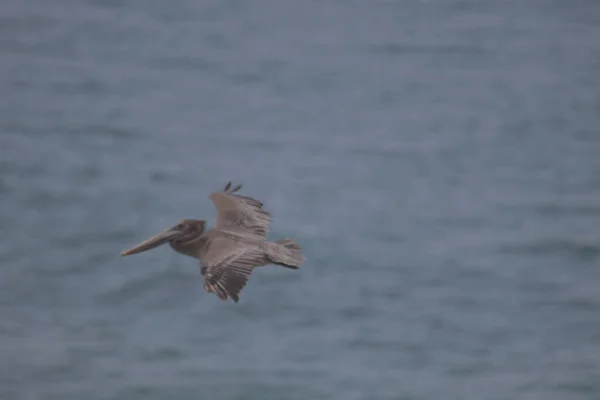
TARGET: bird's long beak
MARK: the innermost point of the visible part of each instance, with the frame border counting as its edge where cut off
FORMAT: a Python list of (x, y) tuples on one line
[(153, 242)]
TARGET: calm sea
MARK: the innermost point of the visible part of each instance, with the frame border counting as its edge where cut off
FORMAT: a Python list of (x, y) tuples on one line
[(438, 160)]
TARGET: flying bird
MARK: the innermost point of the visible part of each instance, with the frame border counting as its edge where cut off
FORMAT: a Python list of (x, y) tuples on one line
[(228, 252)]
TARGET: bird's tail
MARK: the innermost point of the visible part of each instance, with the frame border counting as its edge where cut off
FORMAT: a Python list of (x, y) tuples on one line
[(285, 252)]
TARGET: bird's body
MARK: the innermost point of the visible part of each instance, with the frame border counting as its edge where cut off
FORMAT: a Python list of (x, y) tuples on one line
[(230, 250)]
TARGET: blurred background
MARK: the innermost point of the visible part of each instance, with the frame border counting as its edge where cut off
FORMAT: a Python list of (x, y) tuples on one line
[(439, 161)]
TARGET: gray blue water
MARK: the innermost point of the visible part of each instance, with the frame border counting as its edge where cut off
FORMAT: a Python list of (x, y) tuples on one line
[(438, 160)]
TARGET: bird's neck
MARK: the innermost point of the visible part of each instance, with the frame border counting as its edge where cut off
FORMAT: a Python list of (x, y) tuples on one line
[(191, 247)]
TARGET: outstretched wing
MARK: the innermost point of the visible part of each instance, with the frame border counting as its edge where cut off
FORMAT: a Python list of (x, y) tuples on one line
[(227, 266), (240, 213)]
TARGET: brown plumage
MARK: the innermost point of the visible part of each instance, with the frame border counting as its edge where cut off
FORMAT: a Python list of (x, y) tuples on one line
[(230, 251)]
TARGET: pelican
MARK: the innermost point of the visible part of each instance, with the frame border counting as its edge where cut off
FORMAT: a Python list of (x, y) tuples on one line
[(228, 252)]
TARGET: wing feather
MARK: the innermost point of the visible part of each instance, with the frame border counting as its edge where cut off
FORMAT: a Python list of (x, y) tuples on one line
[(227, 270), (240, 213)]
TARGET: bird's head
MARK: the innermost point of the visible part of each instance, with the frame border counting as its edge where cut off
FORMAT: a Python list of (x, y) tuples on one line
[(178, 236)]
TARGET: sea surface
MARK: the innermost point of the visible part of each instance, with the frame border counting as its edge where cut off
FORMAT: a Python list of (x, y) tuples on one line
[(438, 160)]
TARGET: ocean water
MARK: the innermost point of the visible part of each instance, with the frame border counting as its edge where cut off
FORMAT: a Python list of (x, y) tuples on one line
[(438, 160)]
